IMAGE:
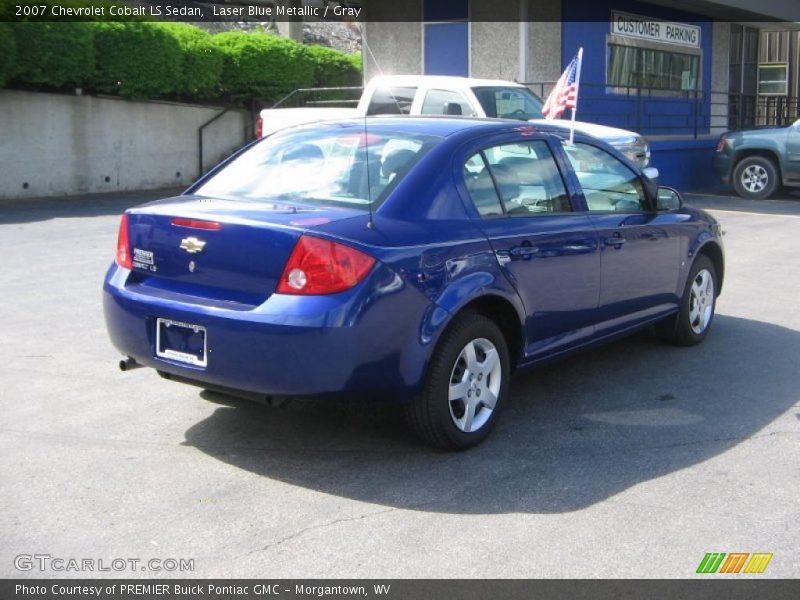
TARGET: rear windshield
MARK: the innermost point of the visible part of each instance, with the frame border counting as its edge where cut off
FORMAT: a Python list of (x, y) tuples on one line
[(329, 167), (509, 102)]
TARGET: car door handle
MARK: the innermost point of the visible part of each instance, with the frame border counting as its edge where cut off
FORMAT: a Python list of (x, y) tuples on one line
[(523, 251), (614, 240), (578, 248)]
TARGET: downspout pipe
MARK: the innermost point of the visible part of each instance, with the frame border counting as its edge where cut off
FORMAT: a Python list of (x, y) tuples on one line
[(524, 28)]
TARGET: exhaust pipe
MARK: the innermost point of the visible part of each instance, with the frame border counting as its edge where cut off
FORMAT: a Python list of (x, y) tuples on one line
[(128, 364)]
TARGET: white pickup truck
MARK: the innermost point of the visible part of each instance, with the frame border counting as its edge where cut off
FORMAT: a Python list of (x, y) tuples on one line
[(437, 95)]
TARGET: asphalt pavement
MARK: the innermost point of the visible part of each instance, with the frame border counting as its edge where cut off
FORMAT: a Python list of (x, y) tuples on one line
[(632, 460)]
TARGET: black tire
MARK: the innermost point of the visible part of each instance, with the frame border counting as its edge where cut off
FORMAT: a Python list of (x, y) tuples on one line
[(683, 329), (765, 179), (432, 415)]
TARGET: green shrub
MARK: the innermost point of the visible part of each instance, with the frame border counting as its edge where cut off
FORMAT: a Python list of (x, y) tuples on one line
[(54, 55), (8, 52), (333, 68), (263, 67), (136, 60), (358, 64), (201, 65)]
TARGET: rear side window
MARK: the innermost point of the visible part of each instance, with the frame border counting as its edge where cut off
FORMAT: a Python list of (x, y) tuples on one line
[(524, 177), (392, 101), (446, 102)]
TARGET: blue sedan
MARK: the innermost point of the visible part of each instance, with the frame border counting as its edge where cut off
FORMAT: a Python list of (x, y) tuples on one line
[(418, 260)]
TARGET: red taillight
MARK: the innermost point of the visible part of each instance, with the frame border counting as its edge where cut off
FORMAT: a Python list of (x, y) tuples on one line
[(318, 266), (123, 258), (195, 224), (721, 144), (259, 127)]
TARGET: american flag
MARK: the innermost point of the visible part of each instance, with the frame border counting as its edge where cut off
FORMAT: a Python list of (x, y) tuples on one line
[(565, 92)]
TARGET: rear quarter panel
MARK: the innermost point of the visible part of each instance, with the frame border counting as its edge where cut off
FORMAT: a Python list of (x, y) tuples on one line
[(424, 234)]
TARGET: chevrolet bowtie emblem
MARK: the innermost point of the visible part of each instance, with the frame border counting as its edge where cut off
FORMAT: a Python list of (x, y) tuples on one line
[(192, 245)]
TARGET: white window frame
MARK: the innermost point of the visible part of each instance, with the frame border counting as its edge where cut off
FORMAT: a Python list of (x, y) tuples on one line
[(785, 81)]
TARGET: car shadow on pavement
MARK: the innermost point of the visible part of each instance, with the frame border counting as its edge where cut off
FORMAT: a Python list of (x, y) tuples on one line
[(788, 205), (31, 210), (573, 434)]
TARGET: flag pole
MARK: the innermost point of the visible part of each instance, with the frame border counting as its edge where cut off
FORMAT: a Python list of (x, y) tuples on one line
[(577, 90)]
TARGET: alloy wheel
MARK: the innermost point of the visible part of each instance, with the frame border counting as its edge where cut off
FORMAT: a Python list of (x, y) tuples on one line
[(474, 385), (701, 301), (755, 178)]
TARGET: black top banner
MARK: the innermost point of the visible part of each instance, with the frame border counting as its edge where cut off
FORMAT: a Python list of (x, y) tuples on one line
[(266, 11)]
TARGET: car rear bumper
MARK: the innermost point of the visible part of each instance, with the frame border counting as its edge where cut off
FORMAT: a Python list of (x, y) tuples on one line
[(366, 341)]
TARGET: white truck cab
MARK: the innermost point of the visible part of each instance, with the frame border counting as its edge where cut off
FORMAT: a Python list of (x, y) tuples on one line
[(442, 95)]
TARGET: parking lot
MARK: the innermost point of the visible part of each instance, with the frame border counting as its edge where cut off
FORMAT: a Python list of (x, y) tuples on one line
[(632, 460)]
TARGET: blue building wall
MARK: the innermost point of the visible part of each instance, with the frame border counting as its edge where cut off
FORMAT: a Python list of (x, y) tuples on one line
[(446, 37), (683, 163), (446, 49)]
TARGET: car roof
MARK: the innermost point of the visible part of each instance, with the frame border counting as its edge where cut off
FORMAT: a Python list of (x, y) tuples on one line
[(448, 81), (437, 125)]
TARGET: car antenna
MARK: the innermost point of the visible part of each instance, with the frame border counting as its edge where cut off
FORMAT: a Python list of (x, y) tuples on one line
[(370, 223)]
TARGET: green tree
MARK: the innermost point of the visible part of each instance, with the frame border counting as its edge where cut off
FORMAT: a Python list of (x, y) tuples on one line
[(8, 53), (54, 55), (136, 60), (263, 67), (201, 61), (333, 68)]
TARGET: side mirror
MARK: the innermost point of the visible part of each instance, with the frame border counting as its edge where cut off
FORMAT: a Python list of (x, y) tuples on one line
[(668, 199)]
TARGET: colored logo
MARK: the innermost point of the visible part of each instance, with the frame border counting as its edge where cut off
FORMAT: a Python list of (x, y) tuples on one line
[(734, 562)]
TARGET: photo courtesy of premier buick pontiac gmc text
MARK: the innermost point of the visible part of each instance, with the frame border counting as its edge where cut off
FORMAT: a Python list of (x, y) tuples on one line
[(419, 260)]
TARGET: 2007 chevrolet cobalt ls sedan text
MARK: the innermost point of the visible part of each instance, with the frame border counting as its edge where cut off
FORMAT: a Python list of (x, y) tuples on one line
[(412, 259)]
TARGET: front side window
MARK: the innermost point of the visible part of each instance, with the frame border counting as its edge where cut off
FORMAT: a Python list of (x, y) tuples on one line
[(631, 66), (519, 180), (395, 100), (608, 184), (334, 166), (445, 102), (508, 102)]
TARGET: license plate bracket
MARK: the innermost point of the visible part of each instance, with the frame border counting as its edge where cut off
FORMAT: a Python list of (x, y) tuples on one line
[(182, 342)]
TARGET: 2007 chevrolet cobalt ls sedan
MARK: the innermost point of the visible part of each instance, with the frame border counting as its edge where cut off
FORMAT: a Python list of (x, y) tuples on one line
[(419, 260)]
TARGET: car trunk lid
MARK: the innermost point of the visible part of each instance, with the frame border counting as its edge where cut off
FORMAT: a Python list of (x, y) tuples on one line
[(219, 249)]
